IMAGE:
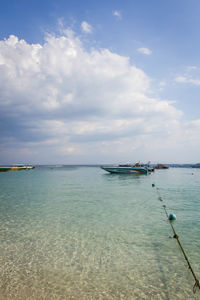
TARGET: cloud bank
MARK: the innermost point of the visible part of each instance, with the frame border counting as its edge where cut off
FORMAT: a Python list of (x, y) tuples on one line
[(60, 103)]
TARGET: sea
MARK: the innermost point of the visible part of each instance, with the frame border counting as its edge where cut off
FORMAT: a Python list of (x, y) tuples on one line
[(78, 232)]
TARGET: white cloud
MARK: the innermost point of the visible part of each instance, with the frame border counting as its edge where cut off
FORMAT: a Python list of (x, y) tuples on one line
[(86, 27), (190, 75), (183, 79), (117, 14), (145, 51), (62, 103), (180, 79)]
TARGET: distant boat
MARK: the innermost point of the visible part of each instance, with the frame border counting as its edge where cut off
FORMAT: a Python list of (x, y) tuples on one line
[(196, 165), (127, 169), (161, 166), (15, 168)]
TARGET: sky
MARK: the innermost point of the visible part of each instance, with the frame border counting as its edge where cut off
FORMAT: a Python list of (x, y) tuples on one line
[(94, 82)]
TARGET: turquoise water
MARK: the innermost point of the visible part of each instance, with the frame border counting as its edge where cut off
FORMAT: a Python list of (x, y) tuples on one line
[(81, 233)]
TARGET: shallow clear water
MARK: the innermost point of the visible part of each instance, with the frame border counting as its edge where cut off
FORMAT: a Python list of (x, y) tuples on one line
[(81, 233)]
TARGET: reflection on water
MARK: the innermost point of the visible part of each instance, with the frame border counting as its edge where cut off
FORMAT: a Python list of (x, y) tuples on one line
[(125, 177)]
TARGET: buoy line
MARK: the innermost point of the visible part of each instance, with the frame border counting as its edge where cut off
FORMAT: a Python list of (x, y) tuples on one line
[(171, 218)]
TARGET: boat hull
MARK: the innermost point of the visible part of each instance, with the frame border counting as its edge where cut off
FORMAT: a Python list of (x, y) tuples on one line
[(125, 170), (16, 168)]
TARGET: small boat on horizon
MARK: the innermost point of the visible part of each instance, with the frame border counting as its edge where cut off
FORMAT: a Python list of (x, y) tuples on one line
[(128, 169), (196, 165), (15, 168), (161, 166)]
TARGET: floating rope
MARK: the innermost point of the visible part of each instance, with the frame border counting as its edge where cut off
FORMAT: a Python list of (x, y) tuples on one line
[(197, 283)]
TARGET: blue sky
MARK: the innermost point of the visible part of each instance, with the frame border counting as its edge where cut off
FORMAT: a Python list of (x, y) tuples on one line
[(99, 81)]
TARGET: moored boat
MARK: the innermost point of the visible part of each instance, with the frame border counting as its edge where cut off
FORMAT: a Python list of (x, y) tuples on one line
[(15, 168), (127, 169), (196, 165), (161, 166)]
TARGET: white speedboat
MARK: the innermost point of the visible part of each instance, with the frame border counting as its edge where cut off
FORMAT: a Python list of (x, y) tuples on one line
[(126, 169)]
